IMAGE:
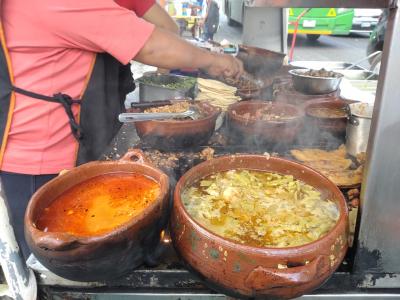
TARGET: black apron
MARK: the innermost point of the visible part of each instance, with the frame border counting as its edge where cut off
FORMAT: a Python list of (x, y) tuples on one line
[(102, 101)]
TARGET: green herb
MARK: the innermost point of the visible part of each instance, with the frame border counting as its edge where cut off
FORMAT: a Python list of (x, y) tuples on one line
[(169, 82)]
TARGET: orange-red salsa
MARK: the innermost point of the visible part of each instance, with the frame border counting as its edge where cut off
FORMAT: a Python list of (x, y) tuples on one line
[(99, 205)]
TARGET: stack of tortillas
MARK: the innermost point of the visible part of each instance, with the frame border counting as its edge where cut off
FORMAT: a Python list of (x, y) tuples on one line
[(216, 93)]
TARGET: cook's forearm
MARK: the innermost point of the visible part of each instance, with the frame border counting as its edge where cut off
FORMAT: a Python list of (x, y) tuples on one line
[(159, 17), (166, 50)]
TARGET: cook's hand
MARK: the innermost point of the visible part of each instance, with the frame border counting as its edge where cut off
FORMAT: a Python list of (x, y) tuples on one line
[(225, 66)]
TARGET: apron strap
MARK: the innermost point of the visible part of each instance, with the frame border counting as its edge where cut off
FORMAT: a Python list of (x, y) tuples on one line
[(65, 100)]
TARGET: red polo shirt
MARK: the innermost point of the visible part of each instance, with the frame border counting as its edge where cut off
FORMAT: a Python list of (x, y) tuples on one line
[(51, 45), (140, 7)]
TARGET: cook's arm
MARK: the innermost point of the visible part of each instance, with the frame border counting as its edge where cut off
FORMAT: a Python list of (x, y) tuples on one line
[(166, 50), (159, 17)]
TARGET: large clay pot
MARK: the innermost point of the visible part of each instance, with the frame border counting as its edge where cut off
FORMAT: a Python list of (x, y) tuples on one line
[(243, 271), (250, 131), (103, 256), (337, 125), (317, 131), (176, 134)]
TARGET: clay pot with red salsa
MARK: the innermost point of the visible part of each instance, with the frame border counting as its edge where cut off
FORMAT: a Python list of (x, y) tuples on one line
[(100, 220), (241, 270)]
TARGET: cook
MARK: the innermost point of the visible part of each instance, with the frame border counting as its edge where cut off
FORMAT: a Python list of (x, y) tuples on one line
[(64, 77)]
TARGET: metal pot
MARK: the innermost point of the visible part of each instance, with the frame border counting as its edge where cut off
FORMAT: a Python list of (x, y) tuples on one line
[(358, 126), (151, 87)]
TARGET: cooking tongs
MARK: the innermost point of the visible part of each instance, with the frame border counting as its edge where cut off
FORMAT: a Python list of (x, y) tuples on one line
[(156, 103), (192, 113)]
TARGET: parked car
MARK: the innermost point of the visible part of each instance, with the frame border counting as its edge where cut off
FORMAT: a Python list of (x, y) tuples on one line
[(378, 34), (365, 20), (376, 40)]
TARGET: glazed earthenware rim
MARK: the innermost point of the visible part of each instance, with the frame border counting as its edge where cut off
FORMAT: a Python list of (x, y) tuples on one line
[(239, 118), (341, 203), (325, 104), (213, 114), (164, 180)]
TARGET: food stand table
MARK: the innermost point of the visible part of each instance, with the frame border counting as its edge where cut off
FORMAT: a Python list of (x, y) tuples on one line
[(187, 17), (171, 279), (372, 271)]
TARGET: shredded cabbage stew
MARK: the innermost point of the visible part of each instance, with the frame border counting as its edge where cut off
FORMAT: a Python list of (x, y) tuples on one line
[(260, 209)]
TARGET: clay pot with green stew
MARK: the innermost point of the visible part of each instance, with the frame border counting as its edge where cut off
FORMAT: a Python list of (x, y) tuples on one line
[(239, 268)]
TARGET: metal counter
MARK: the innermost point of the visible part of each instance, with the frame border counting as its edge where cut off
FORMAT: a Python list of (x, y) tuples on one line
[(375, 270)]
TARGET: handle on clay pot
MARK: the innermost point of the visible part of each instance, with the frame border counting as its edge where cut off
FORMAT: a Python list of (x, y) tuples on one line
[(266, 278), (135, 155), (56, 241)]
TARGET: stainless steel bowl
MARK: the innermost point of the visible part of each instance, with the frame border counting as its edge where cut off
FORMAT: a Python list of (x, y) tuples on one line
[(312, 85), (151, 87)]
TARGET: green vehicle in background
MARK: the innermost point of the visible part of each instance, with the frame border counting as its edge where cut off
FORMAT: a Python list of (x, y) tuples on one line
[(321, 21)]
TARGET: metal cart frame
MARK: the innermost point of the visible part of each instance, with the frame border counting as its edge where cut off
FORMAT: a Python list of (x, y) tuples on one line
[(378, 245), (375, 272)]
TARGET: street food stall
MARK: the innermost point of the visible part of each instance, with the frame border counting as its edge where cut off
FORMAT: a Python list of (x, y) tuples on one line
[(274, 185), (187, 14)]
